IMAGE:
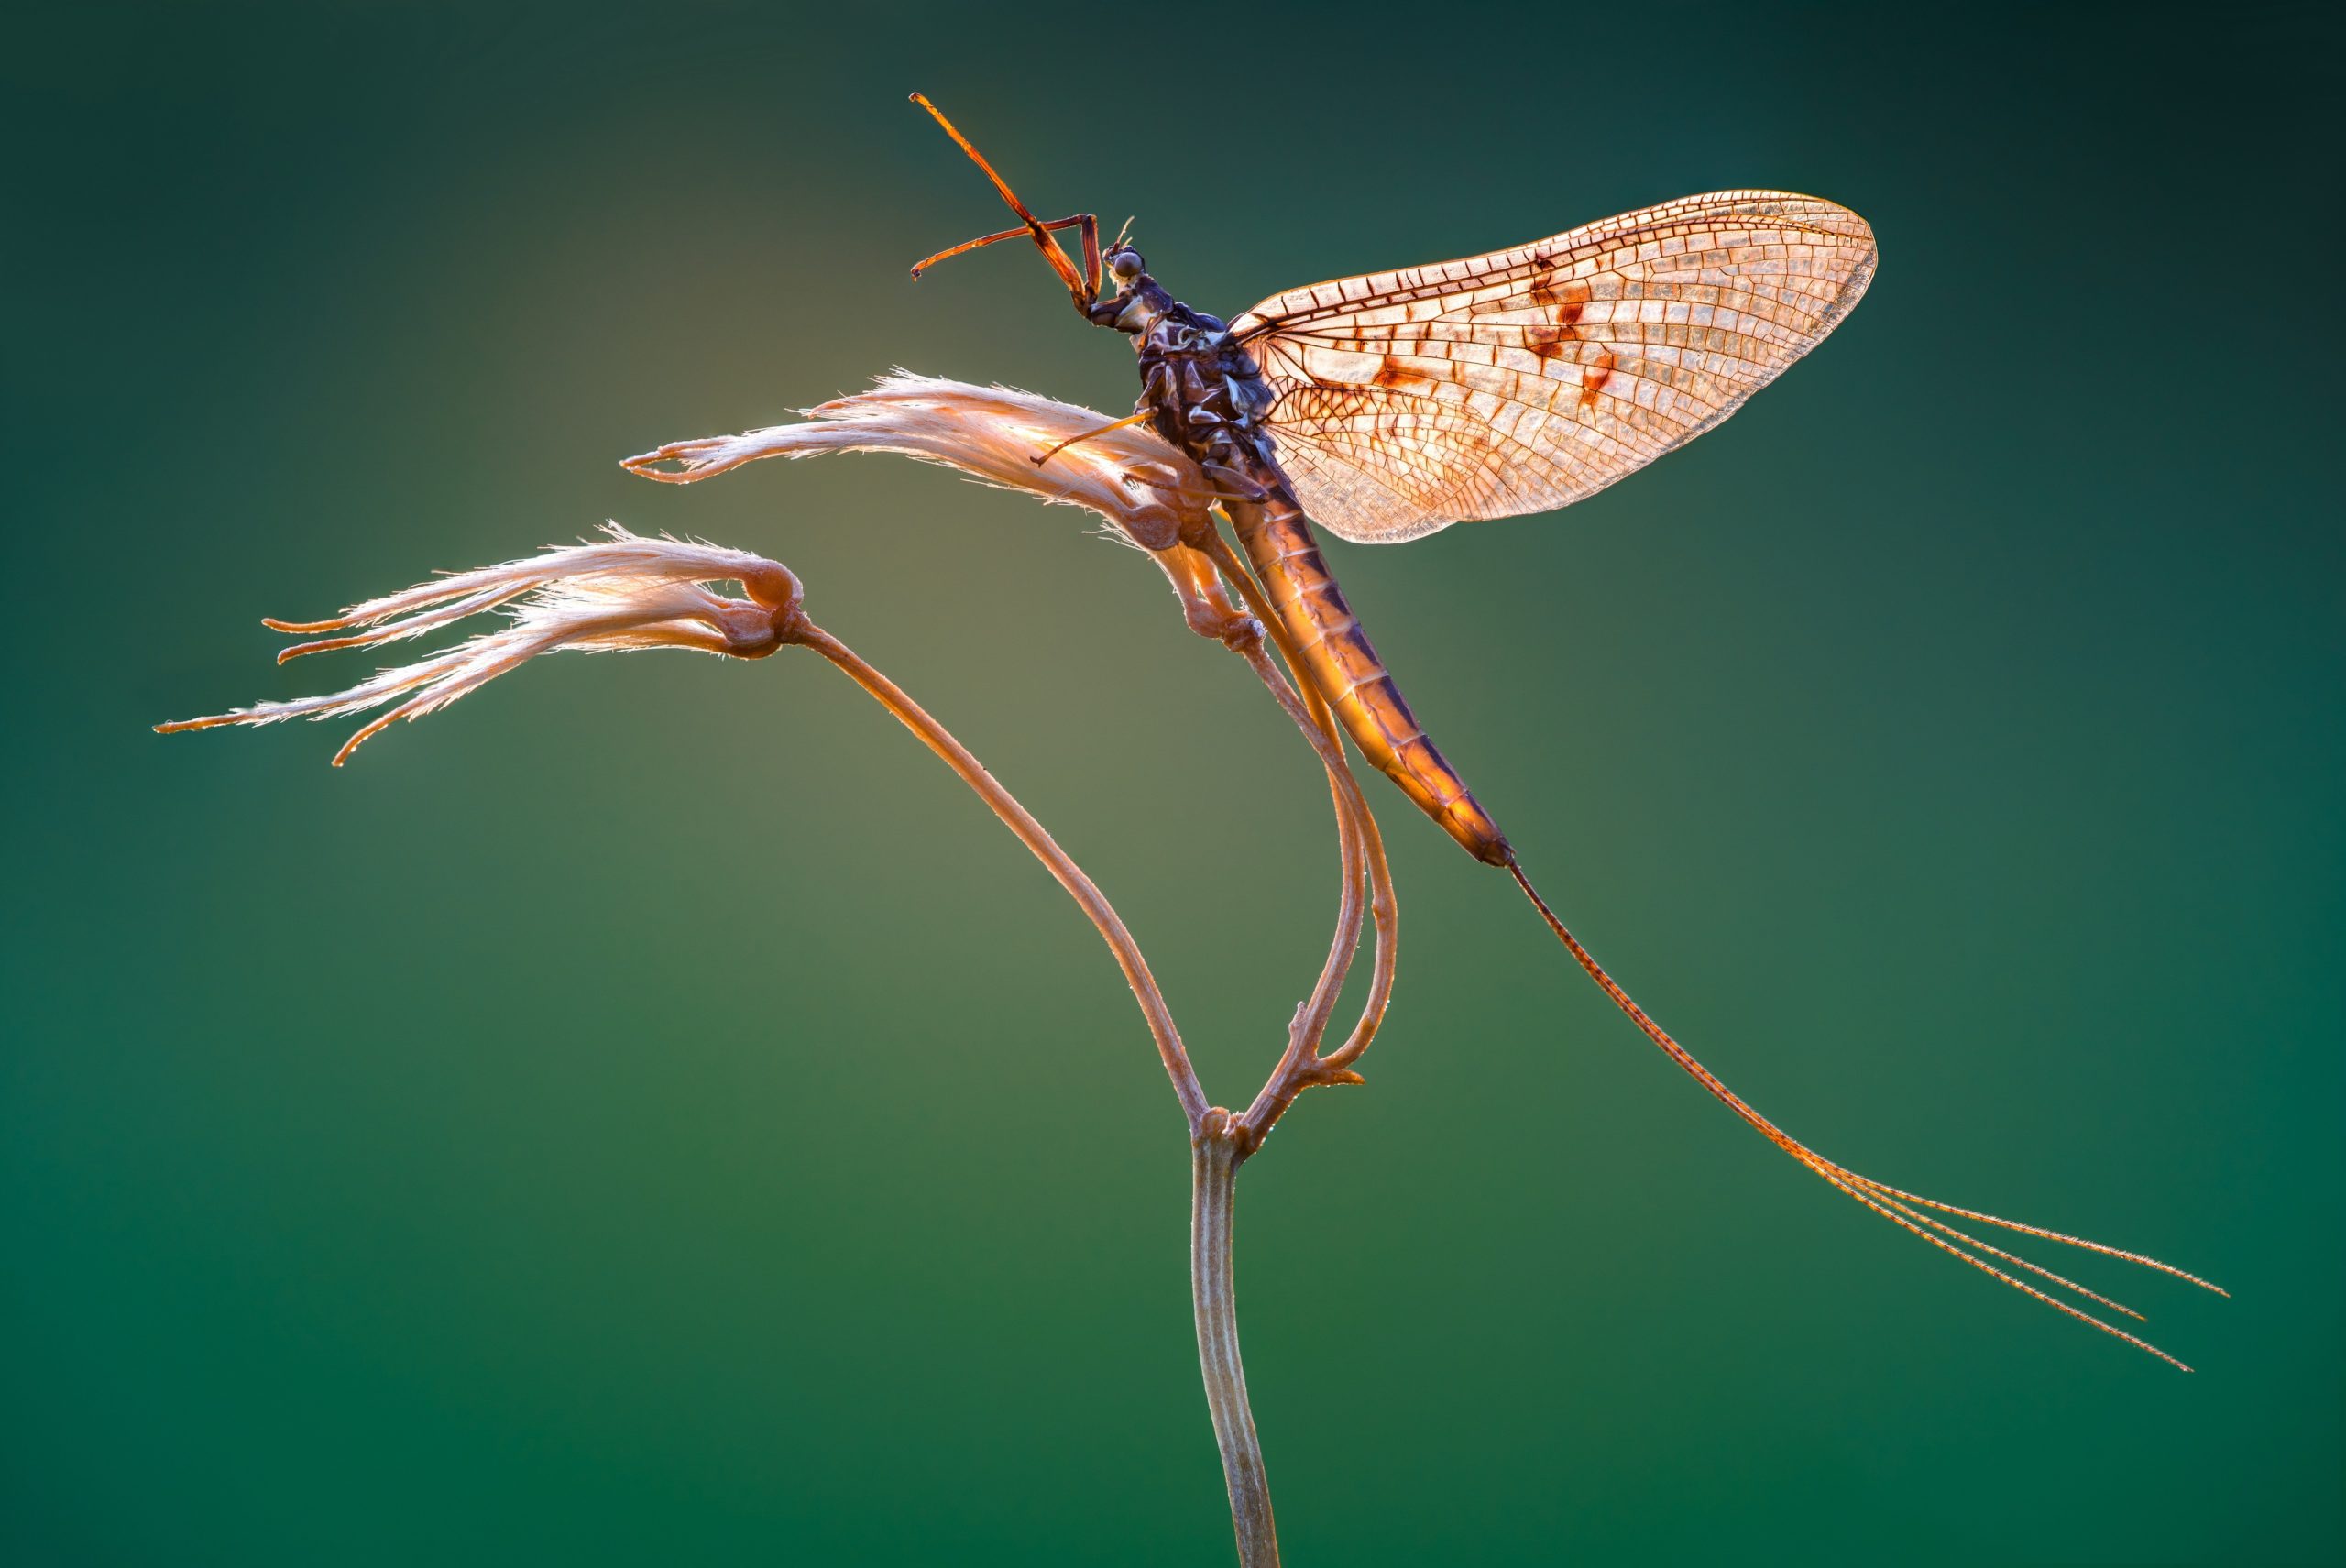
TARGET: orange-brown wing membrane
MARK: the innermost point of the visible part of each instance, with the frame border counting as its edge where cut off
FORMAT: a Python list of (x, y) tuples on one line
[(1523, 380)]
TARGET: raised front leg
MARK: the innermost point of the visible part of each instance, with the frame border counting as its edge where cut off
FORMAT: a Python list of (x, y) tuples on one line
[(1088, 289), (1082, 287)]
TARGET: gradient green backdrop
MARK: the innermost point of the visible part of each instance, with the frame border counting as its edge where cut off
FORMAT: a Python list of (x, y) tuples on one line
[(652, 1114)]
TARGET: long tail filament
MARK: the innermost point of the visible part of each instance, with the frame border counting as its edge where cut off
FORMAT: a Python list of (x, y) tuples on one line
[(1901, 1208)]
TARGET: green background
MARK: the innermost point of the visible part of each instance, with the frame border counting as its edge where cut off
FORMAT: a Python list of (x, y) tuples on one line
[(652, 1114)]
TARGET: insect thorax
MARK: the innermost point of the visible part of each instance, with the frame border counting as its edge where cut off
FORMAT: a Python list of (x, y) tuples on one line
[(1205, 391)]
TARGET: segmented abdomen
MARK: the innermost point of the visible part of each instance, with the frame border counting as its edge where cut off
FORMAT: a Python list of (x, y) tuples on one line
[(1341, 662)]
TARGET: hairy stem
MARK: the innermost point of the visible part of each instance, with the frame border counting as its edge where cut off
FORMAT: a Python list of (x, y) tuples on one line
[(1094, 904), (1215, 1152)]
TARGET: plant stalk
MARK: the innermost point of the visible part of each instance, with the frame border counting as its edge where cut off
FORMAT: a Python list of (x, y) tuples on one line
[(1020, 821), (1214, 1155)]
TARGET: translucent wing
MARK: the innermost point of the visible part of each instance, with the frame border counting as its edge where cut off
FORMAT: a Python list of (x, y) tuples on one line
[(1523, 380)]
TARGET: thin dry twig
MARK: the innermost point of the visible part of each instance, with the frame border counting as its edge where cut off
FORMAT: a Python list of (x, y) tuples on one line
[(1020, 821)]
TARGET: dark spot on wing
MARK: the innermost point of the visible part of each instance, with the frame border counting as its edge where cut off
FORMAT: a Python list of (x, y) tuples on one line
[(1563, 305), (1593, 379)]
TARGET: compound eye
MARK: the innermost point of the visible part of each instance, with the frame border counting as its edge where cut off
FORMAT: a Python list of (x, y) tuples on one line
[(1125, 264)]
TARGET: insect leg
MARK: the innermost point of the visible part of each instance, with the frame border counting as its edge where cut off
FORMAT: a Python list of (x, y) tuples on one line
[(1086, 221), (1229, 481), (1184, 491), (1124, 424), (1082, 289), (1090, 255)]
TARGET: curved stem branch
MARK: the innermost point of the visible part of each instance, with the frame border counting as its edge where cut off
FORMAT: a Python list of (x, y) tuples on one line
[(1363, 848), (1298, 1064), (1094, 904)]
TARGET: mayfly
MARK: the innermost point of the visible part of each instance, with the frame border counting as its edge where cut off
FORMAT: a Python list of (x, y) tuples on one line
[(1390, 405)]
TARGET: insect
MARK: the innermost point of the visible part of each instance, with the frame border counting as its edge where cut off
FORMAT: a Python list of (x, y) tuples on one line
[(1388, 406)]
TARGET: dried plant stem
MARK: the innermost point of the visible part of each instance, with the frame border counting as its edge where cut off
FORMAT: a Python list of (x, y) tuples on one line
[(1216, 1150), (1218, 1143), (1298, 1063), (1363, 846), (1017, 817), (1223, 1143)]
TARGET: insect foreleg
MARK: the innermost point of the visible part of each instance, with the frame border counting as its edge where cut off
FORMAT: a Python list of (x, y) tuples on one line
[(1083, 286), (1086, 222)]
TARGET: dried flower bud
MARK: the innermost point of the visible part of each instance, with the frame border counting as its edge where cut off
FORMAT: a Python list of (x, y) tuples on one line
[(626, 593), (1145, 489)]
